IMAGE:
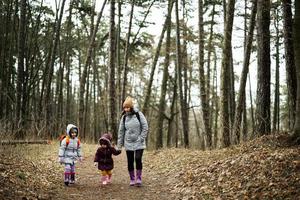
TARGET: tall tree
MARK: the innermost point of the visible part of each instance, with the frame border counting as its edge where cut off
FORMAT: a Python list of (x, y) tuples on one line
[(289, 58), (203, 89), (296, 37), (126, 53), (243, 80), (184, 117), (162, 101), (21, 73), (50, 70), (118, 57), (215, 102), (68, 62), (83, 78), (111, 76), (155, 59), (185, 68), (210, 49), (277, 61), (226, 59), (263, 124)]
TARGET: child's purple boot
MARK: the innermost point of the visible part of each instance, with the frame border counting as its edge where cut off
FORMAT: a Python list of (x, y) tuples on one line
[(72, 180), (67, 179)]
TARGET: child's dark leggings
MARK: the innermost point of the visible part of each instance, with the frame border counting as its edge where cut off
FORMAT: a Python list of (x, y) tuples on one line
[(134, 156)]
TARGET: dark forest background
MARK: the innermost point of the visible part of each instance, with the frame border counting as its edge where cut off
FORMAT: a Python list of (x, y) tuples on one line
[(75, 62)]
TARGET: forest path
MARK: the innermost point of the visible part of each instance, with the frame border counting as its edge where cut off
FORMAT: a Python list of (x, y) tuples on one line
[(265, 168), (88, 185)]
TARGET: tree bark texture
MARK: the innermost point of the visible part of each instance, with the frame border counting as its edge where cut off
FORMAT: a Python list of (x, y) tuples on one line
[(112, 97), (86, 68), (263, 94), (225, 123), (162, 101), (203, 90), (126, 53), (48, 113), (184, 117), (21, 71), (276, 110), (289, 58), (296, 37), (243, 79)]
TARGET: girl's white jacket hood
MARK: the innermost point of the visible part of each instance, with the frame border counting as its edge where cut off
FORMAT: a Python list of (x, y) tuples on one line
[(69, 127)]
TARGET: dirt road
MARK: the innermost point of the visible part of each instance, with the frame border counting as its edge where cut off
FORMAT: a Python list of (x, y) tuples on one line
[(88, 185)]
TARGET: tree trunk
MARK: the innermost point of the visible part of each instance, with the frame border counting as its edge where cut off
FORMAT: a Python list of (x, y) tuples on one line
[(251, 107), (118, 59), (126, 56), (172, 134), (203, 90), (184, 117), (149, 86), (85, 71), (112, 97), (68, 63), (231, 90), (276, 92), (21, 73), (215, 103), (60, 105), (185, 67), (208, 84), (225, 126), (263, 65), (162, 101), (49, 73), (296, 37), (7, 35), (289, 59), (245, 122), (241, 94)]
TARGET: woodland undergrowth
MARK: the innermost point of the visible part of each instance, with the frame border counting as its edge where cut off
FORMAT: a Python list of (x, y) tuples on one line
[(265, 168)]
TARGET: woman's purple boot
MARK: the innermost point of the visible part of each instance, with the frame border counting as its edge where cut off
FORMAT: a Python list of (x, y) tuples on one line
[(132, 178), (138, 177)]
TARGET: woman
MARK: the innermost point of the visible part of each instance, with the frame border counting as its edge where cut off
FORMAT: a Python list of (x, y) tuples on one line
[(133, 130)]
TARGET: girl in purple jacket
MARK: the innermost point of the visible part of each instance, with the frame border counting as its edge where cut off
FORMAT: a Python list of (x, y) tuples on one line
[(104, 158)]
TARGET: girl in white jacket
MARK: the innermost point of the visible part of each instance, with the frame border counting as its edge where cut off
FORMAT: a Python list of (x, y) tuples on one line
[(69, 152)]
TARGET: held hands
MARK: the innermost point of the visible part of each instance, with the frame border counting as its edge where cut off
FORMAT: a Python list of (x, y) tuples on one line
[(61, 160), (80, 159), (95, 164), (118, 147)]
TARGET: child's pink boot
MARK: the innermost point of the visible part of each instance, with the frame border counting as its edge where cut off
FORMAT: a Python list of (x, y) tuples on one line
[(108, 179), (103, 179)]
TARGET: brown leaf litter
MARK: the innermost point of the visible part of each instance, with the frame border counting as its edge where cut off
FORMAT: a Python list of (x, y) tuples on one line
[(265, 168)]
